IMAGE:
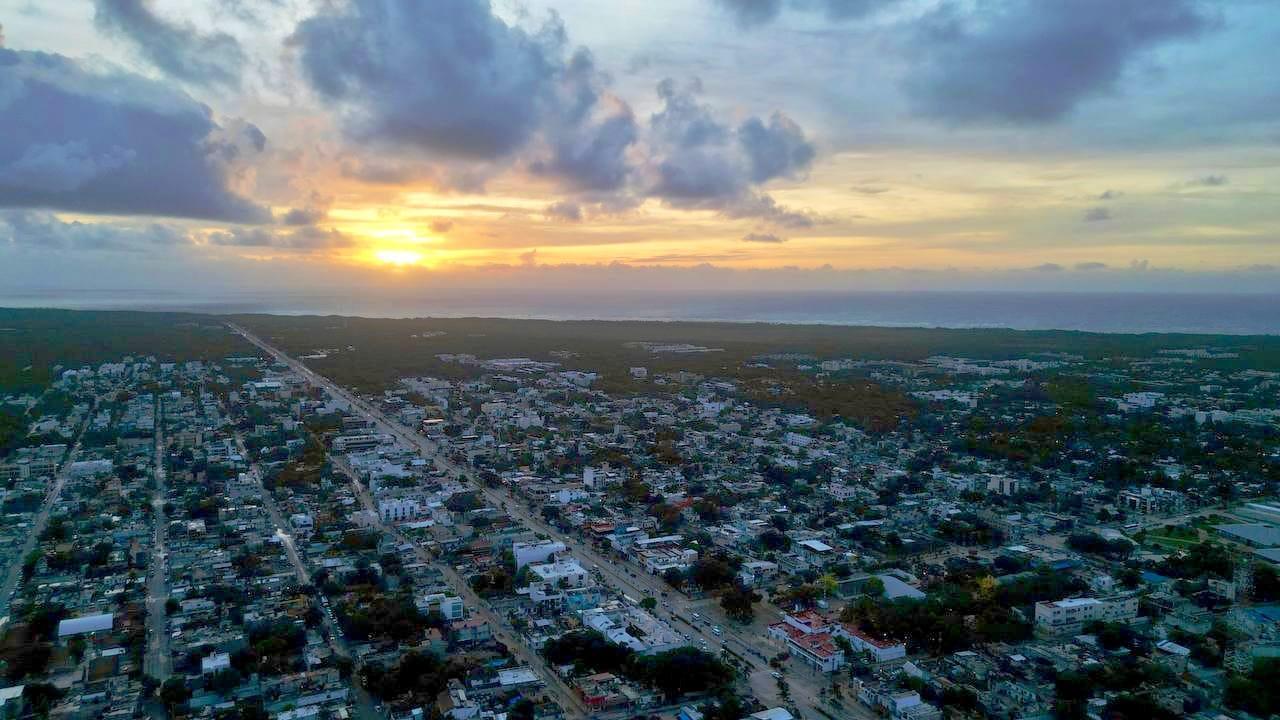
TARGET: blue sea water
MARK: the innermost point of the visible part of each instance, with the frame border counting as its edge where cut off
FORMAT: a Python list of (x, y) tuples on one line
[(1240, 314)]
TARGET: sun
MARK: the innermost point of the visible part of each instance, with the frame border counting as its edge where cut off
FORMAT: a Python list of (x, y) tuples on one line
[(397, 257)]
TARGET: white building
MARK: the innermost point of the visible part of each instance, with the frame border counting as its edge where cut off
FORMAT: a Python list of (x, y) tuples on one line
[(450, 607), (1068, 617), (214, 663), (535, 552), (397, 509), (562, 573)]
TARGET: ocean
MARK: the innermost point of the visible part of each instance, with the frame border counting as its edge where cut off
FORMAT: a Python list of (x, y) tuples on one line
[(1240, 314)]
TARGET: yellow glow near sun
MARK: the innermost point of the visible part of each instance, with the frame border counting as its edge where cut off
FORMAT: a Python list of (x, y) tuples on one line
[(398, 257)]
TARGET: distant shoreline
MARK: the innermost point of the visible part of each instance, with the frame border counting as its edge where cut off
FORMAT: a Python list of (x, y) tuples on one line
[(1108, 313)]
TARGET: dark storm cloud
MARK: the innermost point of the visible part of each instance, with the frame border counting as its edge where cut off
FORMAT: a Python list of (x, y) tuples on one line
[(778, 149), (1026, 62), (445, 76), (749, 13), (176, 49), (43, 230), (304, 239), (701, 163), (452, 83), (105, 141), (451, 80), (588, 130)]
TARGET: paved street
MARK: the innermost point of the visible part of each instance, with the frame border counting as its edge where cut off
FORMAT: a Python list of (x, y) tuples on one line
[(13, 569), (158, 662), (365, 705), (568, 699), (805, 686)]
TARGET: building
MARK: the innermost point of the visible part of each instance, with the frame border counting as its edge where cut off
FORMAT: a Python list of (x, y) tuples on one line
[(450, 607), (1068, 617), (215, 663), (535, 552), (815, 640), (562, 573), (86, 625), (397, 509), (357, 443)]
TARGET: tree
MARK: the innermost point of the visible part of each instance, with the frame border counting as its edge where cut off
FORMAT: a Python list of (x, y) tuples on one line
[(874, 587), (1266, 583), (649, 603), (174, 693), (674, 577), (827, 583), (737, 602)]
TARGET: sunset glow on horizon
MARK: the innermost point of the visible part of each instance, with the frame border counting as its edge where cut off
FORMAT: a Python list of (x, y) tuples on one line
[(720, 135)]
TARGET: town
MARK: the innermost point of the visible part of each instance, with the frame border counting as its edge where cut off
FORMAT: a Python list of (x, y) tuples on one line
[(524, 536)]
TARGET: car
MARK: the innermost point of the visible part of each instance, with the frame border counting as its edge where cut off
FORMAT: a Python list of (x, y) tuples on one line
[(696, 616), (776, 675), (716, 630)]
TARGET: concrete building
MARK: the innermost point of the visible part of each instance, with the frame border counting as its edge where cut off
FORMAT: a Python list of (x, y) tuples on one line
[(1068, 617), (535, 552)]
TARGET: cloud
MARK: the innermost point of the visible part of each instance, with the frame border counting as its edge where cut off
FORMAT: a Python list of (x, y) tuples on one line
[(303, 239), (751, 13), (178, 50), (316, 209), (778, 149), (1110, 195), (768, 238), (303, 216), (99, 140), (1048, 267), (1097, 214), (44, 230), (1029, 62), (249, 11), (699, 162), (530, 258), (1, 35), (452, 82), (441, 227), (1090, 266), (445, 76), (1209, 181), (564, 210), (589, 132)]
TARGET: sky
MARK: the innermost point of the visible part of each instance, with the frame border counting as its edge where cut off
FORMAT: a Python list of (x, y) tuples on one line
[(1105, 145)]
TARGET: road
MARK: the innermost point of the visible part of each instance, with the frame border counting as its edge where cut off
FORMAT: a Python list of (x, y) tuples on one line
[(158, 662), (13, 573), (805, 686), (565, 695), (365, 705)]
